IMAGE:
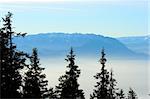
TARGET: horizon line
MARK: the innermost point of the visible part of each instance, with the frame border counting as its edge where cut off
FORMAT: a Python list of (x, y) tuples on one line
[(71, 33)]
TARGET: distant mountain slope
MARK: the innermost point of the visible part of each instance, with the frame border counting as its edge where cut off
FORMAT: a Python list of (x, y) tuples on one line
[(58, 44), (140, 44)]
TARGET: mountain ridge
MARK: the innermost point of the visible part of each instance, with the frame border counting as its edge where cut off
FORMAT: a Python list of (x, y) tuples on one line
[(138, 44), (57, 44)]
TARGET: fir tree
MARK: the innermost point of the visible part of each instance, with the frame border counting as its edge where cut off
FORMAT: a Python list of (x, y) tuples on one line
[(121, 95), (52, 94), (102, 90), (11, 61), (69, 87), (132, 94), (112, 86), (35, 85)]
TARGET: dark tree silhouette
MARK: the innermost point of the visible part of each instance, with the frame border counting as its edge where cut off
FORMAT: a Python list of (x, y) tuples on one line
[(11, 61), (102, 87), (52, 94), (132, 94), (121, 95), (112, 86), (69, 87), (35, 85)]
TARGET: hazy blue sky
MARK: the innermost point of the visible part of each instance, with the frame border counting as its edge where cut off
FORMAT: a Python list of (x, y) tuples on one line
[(106, 17)]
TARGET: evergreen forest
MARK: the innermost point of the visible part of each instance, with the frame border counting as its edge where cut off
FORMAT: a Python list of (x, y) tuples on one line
[(21, 74)]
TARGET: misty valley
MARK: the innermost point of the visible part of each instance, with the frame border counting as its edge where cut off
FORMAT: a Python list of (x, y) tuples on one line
[(72, 65)]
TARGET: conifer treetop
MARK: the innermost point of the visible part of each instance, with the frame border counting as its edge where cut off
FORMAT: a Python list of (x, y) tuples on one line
[(103, 59)]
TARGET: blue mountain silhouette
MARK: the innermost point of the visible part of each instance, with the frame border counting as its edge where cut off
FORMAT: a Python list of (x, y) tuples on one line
[(138, 44), (58, 44)]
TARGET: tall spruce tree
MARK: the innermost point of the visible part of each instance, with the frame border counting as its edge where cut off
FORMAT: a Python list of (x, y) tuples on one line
[(69, 87), (112, 86), (102, 87), (35, 83), (11, 61), (132, 94), (121, 95), (52, 94)]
